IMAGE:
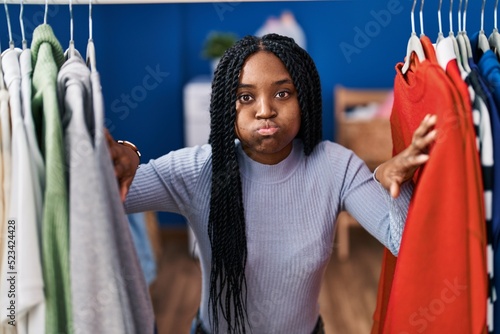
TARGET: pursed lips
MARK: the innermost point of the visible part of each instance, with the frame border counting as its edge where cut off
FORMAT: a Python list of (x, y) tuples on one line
[(267, 129)]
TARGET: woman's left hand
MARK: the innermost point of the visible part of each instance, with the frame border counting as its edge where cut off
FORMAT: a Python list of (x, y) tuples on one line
[(399, 169)]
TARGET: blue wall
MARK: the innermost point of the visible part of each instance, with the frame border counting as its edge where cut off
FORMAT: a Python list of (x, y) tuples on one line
[(146, 53)]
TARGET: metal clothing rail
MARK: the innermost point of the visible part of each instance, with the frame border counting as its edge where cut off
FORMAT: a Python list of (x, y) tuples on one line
[(115, 2)]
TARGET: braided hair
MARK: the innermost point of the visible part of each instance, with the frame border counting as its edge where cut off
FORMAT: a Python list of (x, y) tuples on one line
[(226, 225)]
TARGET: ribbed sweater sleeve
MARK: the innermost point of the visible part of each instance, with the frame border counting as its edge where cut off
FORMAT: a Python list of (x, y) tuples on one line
[(169, 182), (371, 204)]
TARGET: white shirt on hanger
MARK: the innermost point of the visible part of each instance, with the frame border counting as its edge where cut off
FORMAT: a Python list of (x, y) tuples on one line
[(23, 210), (6, 150)]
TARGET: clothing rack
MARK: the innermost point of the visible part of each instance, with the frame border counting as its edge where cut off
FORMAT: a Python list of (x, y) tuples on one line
[(116, 2)]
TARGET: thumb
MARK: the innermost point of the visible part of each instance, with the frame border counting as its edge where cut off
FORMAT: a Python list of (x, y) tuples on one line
[(123, 191), (394, 189)]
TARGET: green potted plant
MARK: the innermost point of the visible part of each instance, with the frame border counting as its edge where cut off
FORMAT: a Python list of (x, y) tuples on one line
[(216, 44)]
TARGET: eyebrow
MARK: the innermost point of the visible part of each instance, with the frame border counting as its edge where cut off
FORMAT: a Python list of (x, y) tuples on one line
[(276, 83), (284, 81)]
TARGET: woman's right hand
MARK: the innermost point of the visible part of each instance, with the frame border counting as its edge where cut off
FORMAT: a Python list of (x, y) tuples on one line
[(125, 161)]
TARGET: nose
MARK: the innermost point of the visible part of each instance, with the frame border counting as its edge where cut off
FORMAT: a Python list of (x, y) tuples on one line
[(265, 110)]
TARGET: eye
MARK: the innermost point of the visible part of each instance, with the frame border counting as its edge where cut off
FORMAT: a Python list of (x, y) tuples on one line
[(244, 98), (283, 94)]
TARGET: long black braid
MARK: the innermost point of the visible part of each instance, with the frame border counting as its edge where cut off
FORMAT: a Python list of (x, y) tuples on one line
[(226, 226)]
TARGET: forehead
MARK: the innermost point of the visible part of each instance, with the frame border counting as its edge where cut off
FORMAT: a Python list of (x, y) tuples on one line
[(263, 66)]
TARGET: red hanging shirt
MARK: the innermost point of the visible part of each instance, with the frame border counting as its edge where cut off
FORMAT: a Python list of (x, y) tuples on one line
[(438, 284)]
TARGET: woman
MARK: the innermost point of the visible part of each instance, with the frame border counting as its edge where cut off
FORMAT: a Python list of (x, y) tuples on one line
[(263, 196)]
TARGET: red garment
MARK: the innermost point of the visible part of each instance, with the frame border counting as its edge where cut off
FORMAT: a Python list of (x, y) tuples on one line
[(439, 284)]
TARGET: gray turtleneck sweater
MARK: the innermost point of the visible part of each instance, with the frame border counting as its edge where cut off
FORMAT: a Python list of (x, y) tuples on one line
[(290, 214)]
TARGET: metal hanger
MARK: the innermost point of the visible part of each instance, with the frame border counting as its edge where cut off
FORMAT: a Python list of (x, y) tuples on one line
[(459, 17), (90, 20), (463, 54), (482, 42), (46, 12), (11, 41), (414, 44), (421, 14), (91, 59), (21, 22), (464, 31), (2, 83), (495, 17), (450, 17), (71, 49), (494, 39), (482, 15), (454, 40), (440, 24)]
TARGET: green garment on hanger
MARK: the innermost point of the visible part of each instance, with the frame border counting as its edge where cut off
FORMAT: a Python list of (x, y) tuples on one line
[(47, 58)]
